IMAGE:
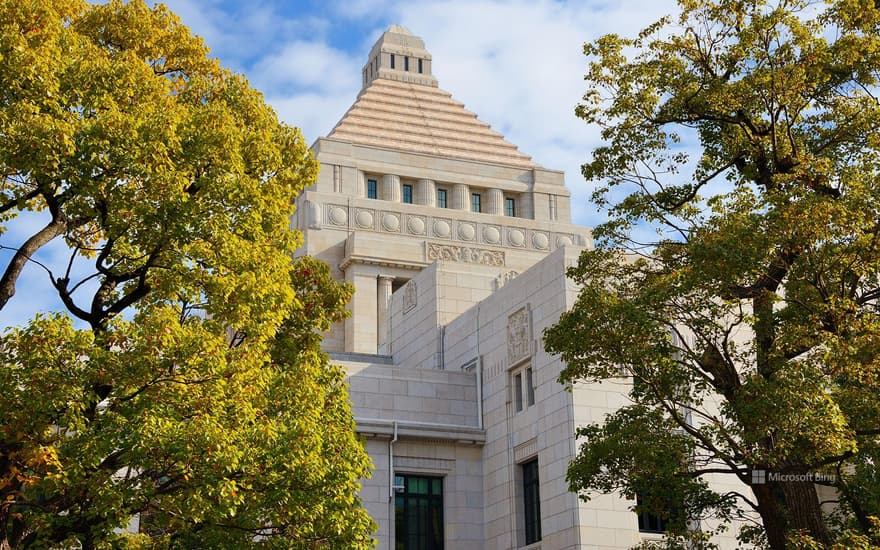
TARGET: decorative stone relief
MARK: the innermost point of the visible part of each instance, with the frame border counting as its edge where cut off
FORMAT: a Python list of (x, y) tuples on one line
[(519, 336), (504, 278), (390, 222), (442, 228), (409, 296), (337, 215), (314, 214), (364, 218), (491, 235), (541, 241), (563, 240), (466, 232), (526, 450), (516, 237), (416, 225), (465, 254)]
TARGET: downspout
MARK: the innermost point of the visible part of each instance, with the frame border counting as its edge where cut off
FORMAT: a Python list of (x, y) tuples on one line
[(391, 462), (479, 375)]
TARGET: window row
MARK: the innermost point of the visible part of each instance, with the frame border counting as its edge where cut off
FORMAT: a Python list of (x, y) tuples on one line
[(442, 198), (406, 63), (418, 509)]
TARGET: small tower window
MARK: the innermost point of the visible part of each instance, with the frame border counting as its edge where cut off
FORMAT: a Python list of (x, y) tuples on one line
[(420, 66), (441, 198), (407, 194), (406, 63), (392, 61), (475, 202), (509, 207), (372, 189)]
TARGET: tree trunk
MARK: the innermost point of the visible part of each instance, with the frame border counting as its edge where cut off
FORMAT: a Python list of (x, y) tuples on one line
[(804, 510), (772, 515)]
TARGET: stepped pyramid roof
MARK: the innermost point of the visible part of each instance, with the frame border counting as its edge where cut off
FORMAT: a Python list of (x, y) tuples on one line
[(401, 107)]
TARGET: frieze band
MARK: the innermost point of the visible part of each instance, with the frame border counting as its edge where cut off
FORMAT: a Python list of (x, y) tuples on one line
[(465, 254)]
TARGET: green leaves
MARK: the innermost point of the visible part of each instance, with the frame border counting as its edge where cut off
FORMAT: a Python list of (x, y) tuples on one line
[(198, 399), (756, 308)]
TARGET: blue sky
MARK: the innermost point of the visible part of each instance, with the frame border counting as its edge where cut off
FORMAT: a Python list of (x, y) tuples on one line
[(517, 64)]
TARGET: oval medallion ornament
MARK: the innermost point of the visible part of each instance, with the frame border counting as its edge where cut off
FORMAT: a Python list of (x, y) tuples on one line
[(441, 228), (364, 218), (540, 241), (516, 237), (338, 216), (466, 232), (416, 226), (492, 235), (563, 241), (390, 222)]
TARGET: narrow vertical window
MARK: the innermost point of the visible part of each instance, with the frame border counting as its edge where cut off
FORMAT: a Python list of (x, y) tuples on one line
[(509, 207), (418, 513), (372, 192), (648, 522), (530, 388), (475, 203), (407, 194), (392, 61), (441, 198), (420, 66), (517, 392), (531, 501), (406, 63)]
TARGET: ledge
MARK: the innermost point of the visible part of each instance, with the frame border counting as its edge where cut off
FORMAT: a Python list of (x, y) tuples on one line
[(384, 429)]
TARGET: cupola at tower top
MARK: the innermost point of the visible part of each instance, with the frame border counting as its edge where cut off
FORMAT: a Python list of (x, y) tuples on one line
[(399, 55)]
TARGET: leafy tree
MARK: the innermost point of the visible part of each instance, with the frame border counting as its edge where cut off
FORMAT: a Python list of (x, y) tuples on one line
[(171, 184), (750, 322)]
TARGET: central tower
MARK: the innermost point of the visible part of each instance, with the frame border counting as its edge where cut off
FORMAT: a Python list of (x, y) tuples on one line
[(409, 177)]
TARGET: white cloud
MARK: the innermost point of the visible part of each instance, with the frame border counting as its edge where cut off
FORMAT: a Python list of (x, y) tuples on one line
[(308, 67), (519, 65)]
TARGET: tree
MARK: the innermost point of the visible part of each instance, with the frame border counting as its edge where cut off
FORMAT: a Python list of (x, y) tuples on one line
[(750, 323), (191, 391)]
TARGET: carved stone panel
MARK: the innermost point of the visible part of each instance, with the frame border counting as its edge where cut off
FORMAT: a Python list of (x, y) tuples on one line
[(410, 299), (465, 254), (519, 336), (504, 278)]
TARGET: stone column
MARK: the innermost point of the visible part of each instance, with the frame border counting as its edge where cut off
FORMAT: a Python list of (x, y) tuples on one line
[(526, 206), (390, 188), (426, 193), (495, 202), (461, 197), (361, 184), (360, 327), (383, 301)]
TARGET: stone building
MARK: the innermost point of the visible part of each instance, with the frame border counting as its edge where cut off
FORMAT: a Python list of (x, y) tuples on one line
[(456, 243)]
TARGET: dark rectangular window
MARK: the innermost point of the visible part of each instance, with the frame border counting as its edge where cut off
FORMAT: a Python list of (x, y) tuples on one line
[(406, 63), (441, 198), (509, 207), (392, 61), (420, 66), (418, 513), (530, 388), (475, 202), (531, 501), (648, 522), (517, 392), (372, 190), (407, 194)]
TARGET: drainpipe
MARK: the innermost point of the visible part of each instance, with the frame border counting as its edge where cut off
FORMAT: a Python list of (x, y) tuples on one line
[(391, 462), (479, 375)]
